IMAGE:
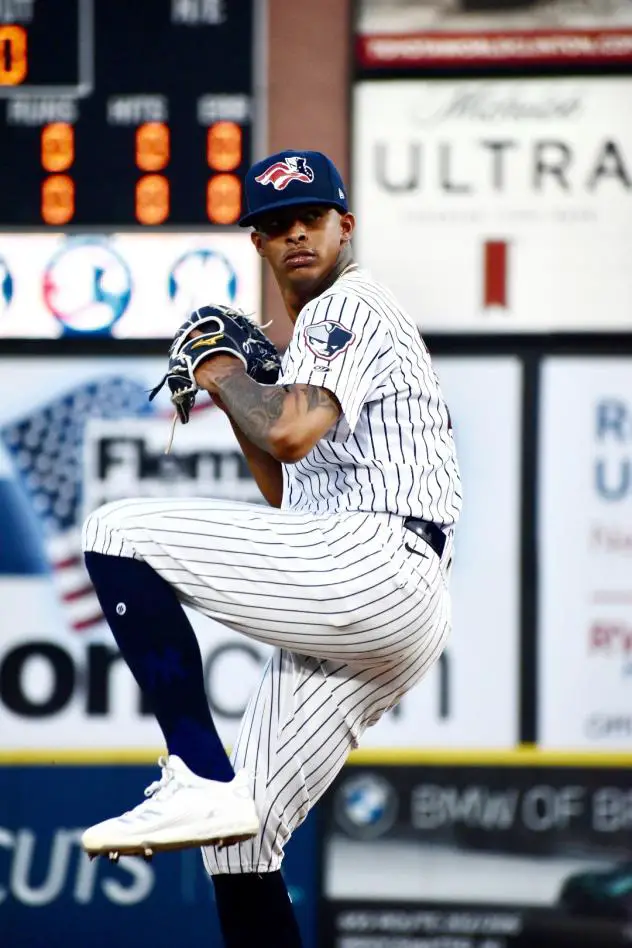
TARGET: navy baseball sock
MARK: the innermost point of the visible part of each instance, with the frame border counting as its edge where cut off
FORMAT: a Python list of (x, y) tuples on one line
[(159, 645), (256, 910)]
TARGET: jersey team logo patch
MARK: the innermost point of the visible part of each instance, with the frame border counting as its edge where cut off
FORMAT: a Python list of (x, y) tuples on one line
[(328, 339), (281, 173)]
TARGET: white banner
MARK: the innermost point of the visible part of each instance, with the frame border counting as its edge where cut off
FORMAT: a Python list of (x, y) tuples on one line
[(398, 34), (585, 554), (455, 706), (61, 683), (498, 205), (124, 285)]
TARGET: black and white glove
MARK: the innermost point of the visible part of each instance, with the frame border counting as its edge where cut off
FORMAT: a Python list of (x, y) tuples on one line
[(221, 330)]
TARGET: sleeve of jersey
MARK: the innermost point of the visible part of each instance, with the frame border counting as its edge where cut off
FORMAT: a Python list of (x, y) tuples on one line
[(336, 345)]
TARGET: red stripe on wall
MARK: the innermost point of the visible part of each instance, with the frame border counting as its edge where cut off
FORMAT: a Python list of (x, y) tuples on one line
[(495, 262)]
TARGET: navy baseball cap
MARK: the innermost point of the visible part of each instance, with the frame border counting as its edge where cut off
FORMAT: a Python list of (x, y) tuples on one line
[(290, 178)]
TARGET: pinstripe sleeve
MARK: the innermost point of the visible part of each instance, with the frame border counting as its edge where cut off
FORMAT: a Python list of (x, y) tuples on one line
[(337, 344)]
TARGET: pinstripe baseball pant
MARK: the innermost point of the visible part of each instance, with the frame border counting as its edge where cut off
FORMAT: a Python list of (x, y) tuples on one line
[(356, 606)]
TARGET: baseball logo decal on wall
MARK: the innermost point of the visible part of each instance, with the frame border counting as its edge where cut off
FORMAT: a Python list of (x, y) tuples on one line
[(328, 339)]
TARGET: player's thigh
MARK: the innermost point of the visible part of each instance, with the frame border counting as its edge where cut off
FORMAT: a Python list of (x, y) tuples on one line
[(293, 741), (363, 695), (324, 586)]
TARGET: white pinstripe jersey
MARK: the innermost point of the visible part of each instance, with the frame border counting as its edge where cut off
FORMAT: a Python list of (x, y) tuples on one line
[(392, 449)]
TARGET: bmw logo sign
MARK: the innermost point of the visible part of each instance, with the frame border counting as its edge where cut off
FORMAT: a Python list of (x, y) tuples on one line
[(366, 806)]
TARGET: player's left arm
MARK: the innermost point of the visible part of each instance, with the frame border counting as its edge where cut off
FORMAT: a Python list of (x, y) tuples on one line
[(284, 420)]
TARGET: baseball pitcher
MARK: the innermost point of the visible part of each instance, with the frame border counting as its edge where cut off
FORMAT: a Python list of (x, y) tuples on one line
[(344, 570)]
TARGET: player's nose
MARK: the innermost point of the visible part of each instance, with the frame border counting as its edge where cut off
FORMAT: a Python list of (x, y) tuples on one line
[(296, 230)]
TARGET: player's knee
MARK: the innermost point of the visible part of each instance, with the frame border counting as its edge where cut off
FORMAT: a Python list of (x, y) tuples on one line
[(99, 526)]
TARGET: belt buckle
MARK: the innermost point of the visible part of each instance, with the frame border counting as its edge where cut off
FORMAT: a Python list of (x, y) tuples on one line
[(435, 538)]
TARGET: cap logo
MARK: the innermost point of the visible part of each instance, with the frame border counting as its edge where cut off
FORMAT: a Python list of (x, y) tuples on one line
[(281, 173)]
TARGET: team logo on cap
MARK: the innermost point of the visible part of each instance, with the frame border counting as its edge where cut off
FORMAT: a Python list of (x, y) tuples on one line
[(281, 173), (328, 339)]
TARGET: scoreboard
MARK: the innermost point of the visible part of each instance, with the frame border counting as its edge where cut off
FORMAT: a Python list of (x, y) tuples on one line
[(125, 113), (126, 130)]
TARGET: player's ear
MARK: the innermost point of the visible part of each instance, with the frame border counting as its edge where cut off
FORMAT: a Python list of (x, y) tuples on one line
[(257, 241), (347, 227)]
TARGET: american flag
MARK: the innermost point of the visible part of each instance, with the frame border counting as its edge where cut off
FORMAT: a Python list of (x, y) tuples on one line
[(281, 173), (47, 450)]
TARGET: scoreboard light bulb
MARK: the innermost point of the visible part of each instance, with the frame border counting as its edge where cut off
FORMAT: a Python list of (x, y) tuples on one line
[(224, 147), (14, 63), (152, 199), (58, 199), (153, 149), (58, 146), (223, 199)]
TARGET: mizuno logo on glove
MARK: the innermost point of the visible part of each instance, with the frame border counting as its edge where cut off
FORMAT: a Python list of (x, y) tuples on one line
[(207, 341)]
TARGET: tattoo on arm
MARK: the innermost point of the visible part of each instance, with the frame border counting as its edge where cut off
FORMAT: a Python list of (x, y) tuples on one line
[(318, 398), (256, 408)]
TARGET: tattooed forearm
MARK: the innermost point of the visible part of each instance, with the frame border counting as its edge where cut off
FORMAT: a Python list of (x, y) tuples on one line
[(255, 408), (258, 410)]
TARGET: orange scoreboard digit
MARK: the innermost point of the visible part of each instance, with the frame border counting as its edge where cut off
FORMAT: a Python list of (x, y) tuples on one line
[(13, 54), (102, 129), (224, 154)]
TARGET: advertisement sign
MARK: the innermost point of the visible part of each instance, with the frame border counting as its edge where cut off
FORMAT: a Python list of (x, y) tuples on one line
[(454, 705), (78, 432), (75, 433), (52, 895), (124, 285), (585, 554), (476, 856), (396, 34), (498, 205)]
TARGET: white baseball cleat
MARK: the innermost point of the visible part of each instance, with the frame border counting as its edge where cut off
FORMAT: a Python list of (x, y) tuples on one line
[(182, 811)]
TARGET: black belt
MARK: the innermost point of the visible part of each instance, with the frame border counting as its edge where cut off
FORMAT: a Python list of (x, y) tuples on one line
[(428, 531)]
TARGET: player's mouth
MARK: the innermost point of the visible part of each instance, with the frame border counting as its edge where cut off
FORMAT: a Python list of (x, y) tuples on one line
[(296, 259)]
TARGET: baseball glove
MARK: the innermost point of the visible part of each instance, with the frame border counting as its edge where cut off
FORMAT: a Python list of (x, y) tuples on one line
[(220, 329)]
